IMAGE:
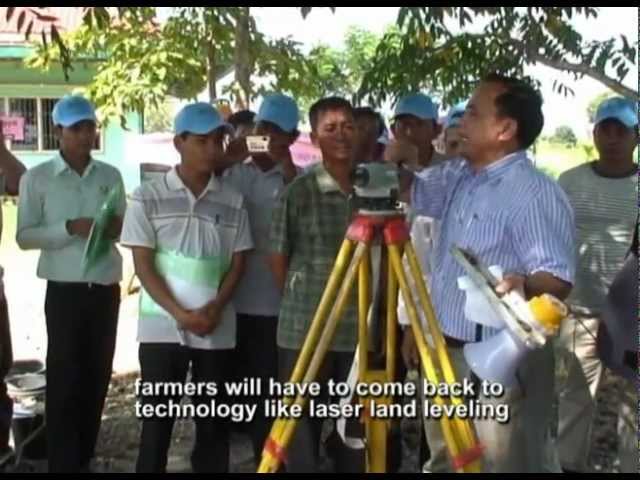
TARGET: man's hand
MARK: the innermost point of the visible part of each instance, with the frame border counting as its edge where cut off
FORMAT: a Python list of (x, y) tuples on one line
[(195, 321), (409, 350), (535, 285), (115, 227), (402, 152), (237, 150), (80, 227), (213, 311), (511, 282)]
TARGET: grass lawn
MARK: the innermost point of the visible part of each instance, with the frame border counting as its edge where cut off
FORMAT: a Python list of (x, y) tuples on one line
[(553, 159)]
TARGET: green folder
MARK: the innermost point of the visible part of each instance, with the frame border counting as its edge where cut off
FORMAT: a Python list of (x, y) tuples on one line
[(98, 244)]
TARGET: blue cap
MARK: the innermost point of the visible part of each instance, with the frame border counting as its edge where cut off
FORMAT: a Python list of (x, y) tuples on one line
[(72, 109), (200, 119), (280, 110), (455, 115), (417, 104), (618, 108)]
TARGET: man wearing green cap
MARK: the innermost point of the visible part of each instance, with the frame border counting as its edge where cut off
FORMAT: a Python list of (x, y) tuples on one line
[(260, 178), (188, 233), (603, 194), (58, 202)]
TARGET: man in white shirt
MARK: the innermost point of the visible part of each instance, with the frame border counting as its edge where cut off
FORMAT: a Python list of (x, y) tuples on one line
[(260, 178), (59, 200), (188, 233)]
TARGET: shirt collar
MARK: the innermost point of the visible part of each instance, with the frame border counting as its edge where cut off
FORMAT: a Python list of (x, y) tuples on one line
[(174, 182), (277, 169), (61, 166), (326, 182), (499, 168)]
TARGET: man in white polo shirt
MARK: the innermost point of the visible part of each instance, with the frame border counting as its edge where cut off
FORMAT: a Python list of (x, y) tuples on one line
[(58, 202), (188, 233), (260, 179)]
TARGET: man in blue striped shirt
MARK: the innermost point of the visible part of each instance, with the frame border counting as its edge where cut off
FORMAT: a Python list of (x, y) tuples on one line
[(498, 205)]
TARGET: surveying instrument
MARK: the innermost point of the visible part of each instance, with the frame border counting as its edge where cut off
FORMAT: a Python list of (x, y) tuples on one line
[(379, 220)]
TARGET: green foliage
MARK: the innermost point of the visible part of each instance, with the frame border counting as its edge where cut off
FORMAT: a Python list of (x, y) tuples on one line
[(449, 48)]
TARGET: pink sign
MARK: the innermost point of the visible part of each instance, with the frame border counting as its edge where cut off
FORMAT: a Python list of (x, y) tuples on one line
[(304, 153), (13, 128)]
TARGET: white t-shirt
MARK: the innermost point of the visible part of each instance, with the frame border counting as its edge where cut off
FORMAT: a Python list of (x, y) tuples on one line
[(257, 292)]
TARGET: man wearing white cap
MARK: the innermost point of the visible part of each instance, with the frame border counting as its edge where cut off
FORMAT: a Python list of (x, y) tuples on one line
[(603, 194), (188, 233), (58, 202), (260, 179)]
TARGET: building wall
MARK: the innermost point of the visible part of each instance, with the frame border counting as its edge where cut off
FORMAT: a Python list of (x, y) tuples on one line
[(16, 80)]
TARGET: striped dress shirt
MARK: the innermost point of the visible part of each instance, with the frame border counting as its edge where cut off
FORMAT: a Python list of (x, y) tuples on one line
[(508, 214)]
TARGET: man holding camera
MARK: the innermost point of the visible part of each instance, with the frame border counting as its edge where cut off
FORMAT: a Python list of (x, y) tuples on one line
[(263, 166)]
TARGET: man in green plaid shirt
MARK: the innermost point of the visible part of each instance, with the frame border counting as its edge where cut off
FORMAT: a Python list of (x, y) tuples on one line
[(308, 227)]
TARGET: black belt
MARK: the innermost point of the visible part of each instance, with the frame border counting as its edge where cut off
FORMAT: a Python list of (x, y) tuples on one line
[(454, 342), (83, 285)]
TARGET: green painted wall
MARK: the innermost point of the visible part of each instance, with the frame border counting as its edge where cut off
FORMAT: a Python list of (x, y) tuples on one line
[(16, 80)]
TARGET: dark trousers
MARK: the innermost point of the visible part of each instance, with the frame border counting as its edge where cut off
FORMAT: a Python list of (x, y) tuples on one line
[(256, 356), (303, 451), (81, 328), (6, 360), (168, 362)]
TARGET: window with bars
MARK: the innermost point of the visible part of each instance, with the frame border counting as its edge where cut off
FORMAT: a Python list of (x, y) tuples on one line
[(37, 132)]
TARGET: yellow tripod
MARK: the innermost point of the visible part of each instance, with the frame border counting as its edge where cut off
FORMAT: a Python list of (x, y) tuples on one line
[(353, 261)]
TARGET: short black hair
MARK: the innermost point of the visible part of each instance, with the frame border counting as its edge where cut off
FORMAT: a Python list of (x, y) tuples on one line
[(522, 103), (360, 112), (327, 104), (243, 117)]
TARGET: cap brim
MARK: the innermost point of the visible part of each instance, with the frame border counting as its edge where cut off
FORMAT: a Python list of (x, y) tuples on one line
[(413, 114), (68, 122), (284, 128), (206, 129), (629, 121)]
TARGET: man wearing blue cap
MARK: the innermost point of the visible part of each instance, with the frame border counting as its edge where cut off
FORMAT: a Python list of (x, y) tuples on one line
[(452, 130), (58, 201), (260, 179), (188, 233), (603, 194), (415, 127)]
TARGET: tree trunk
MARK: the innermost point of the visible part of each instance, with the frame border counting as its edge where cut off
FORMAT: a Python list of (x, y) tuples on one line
[(242, 60), (211, 72)]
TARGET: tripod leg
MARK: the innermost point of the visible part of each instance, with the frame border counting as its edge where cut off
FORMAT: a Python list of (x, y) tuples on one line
[(454, 437), (364, 302), (448, 372), (392, 321), (336, 278), (283, 428)]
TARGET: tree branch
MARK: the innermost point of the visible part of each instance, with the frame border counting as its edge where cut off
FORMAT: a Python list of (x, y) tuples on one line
[(581, 68)]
